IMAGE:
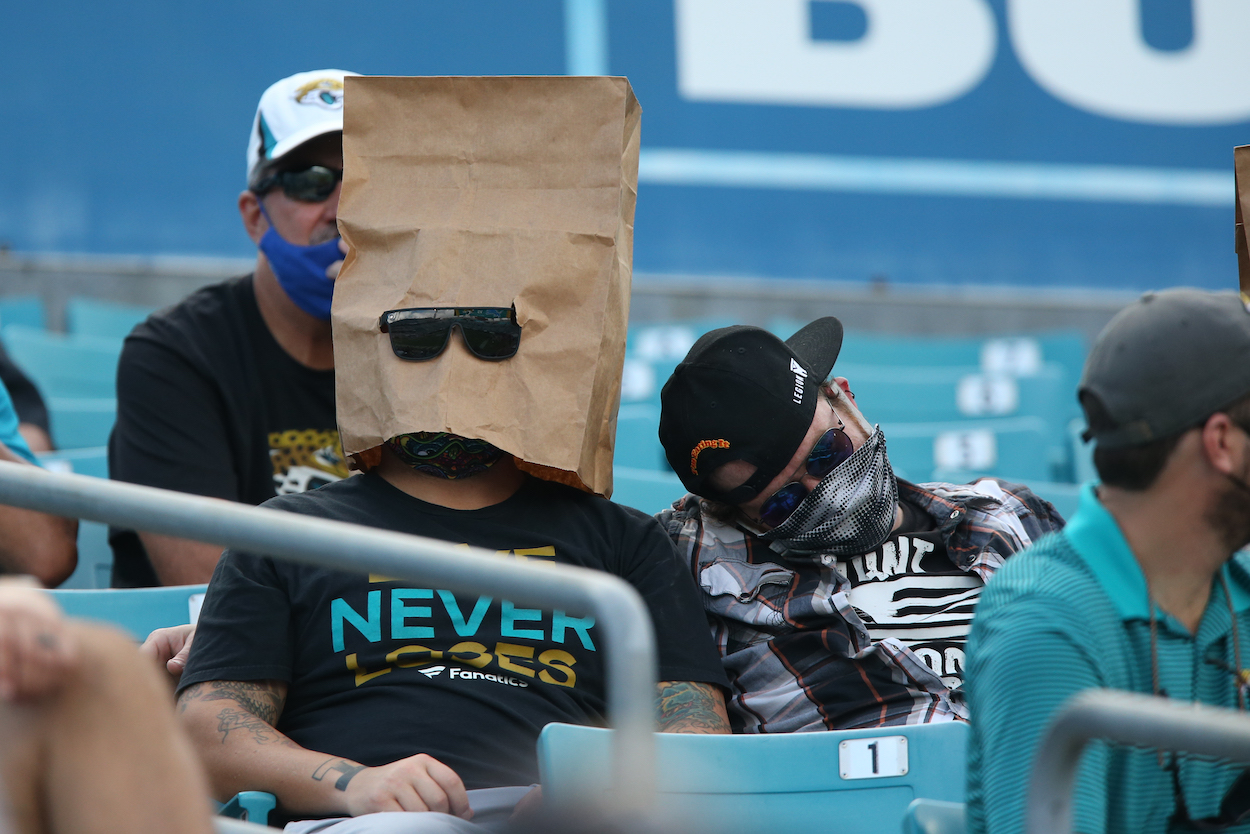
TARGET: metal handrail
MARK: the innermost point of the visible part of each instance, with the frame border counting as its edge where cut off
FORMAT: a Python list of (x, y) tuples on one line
[(1124, 718), (617, 608)]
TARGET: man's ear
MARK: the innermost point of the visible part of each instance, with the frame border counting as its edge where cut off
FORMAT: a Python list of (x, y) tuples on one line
[(254, 222), (844, 384), (1219, 442)]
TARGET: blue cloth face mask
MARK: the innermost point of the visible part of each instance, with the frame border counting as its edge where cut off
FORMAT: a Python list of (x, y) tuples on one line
[(301, 270)]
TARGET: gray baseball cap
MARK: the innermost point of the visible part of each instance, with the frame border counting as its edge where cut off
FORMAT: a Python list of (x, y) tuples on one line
[(1166, 362)]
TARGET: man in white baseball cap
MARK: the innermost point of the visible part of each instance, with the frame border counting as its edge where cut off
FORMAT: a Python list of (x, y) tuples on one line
[(230, 393)]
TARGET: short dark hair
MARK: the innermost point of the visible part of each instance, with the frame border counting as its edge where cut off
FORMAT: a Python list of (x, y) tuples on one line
[(1137, 467)]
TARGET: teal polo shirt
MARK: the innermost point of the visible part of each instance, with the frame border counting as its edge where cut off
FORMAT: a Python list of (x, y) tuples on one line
[(1070, 613)]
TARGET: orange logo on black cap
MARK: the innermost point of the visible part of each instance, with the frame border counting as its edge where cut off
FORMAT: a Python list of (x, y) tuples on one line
[(699, 447)]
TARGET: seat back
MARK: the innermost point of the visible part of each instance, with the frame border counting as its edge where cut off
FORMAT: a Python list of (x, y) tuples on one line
[(1015, 448), (81, 422), (750, 784), (646, 490), (65, 366), (26, 310), (637, 439), (139, 611), (932, 816), (106, 319)]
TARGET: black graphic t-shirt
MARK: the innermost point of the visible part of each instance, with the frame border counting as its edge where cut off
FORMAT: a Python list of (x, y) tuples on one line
[(381, 669), (909, 589), (209, 403)]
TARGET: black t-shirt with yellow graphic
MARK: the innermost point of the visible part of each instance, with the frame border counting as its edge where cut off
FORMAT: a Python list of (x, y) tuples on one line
[(381, 669), (209, 403)]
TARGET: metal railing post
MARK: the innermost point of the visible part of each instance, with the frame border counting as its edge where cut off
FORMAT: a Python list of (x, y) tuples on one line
[(617, 608), (1124, 718)]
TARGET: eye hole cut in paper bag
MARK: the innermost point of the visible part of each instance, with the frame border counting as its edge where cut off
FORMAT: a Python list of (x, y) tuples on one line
[(1241, 164), (489, 192)]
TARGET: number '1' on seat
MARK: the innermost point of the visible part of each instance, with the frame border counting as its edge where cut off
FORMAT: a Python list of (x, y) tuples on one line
[(852, 781)]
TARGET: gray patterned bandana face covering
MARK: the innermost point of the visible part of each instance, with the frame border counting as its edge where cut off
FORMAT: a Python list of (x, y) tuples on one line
[(850, 511)]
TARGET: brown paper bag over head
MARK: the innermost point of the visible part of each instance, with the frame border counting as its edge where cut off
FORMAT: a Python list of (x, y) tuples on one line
[(1241, 165), (489, 192)]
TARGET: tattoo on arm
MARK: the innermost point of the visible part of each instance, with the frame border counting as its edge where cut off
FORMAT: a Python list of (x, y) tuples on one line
[(687, 707), (341, 766), (264, 699), (257, 705), (262, 732)]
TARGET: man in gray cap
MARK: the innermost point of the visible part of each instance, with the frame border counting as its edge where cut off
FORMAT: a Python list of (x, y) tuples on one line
[(1143, 590), (839, 596)]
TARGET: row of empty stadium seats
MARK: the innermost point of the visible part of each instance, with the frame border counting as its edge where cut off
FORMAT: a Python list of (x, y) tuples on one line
[(951, 408), (75, 371)]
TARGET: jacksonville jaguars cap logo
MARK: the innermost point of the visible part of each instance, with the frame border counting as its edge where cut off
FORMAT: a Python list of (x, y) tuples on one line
[(324, 92)]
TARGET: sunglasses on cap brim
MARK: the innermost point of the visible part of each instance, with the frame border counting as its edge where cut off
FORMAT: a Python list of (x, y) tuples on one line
[(422, 333), (313, 184)]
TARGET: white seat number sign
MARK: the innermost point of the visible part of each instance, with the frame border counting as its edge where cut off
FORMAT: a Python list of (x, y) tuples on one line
[(873, 758)]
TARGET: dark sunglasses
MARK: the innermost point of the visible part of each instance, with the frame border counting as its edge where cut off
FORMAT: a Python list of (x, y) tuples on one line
[(421, 333), (832, 449), (314, 184)]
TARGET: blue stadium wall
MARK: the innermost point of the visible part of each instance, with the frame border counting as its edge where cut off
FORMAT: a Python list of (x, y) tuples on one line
[(1030, 143)]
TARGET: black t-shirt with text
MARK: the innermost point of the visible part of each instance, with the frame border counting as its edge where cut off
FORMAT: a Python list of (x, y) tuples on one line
[(381, 669), (209, 403), (909, 589)]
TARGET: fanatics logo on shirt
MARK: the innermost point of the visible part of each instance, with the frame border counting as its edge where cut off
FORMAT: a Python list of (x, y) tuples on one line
[(470, 675)]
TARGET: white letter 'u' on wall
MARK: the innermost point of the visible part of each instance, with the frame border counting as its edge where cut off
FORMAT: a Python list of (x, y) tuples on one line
[(914, 53), (1091, 54)]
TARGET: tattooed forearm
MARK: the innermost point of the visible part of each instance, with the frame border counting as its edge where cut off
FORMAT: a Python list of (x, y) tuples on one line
[(229, 720), (261, 698), (687, 707), (344, 768), (264, 699)]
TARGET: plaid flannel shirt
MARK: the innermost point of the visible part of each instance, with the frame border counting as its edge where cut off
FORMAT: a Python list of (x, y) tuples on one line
[(797, 654)]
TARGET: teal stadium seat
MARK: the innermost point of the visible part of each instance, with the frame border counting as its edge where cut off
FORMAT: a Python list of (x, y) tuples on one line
[(65, 366), (1016, 448), (932, 816), (792, 783), (139, 611), (102, 319), (637, 438), (1017, 354), (1065, 497), (937, 393), (26, 310), (81, 422), (77, 376), (644, 489), (1082, 453), (95, 557)]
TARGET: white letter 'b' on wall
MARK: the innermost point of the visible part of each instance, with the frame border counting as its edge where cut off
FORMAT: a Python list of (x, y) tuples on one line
[(1091, 54), (914, 53)]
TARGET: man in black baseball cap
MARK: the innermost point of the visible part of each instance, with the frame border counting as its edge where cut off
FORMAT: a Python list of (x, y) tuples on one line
[(839, 596), (1144, 590)]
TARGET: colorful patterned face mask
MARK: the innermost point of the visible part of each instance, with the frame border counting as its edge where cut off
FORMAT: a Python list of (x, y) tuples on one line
[(444, 455)]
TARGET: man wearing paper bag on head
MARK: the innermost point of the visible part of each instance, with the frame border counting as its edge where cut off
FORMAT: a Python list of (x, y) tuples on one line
[(479, 328)]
